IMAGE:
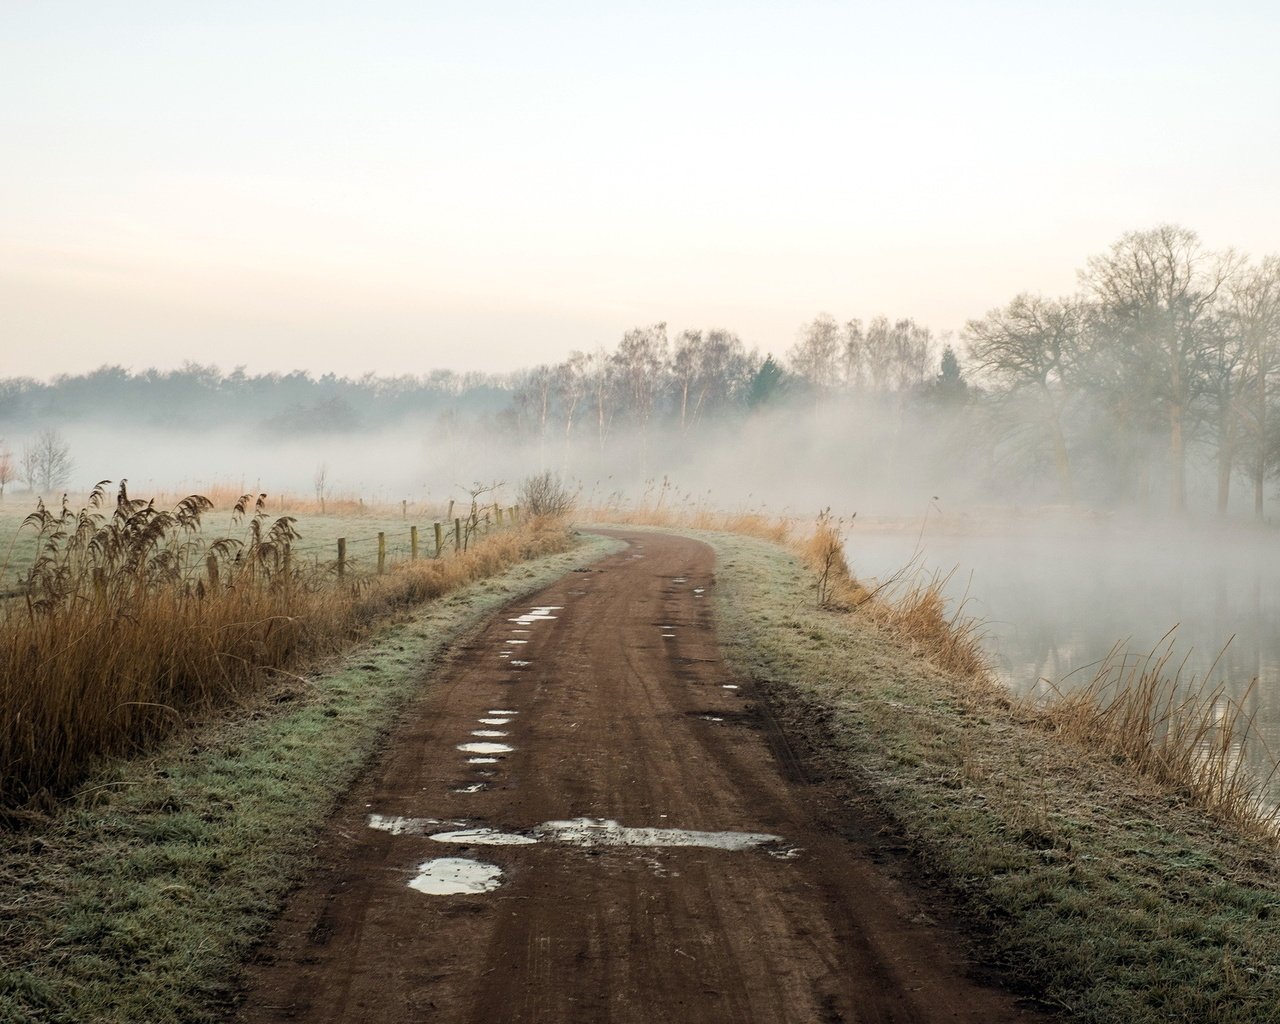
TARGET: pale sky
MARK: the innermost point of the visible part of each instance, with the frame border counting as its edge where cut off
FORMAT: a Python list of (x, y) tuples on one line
[(401, 186)]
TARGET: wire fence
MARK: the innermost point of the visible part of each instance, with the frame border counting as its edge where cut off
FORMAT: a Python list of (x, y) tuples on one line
[(376, 553)]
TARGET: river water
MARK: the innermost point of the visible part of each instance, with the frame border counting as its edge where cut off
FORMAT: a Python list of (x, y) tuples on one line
[(1054, 603)]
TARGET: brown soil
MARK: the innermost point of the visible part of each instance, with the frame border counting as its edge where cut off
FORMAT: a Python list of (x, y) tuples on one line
[(614, 721)]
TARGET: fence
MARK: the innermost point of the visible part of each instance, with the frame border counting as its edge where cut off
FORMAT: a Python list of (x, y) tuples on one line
[(377, 553)]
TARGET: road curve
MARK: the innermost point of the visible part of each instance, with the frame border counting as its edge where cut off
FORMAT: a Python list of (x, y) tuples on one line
[(718, 895)]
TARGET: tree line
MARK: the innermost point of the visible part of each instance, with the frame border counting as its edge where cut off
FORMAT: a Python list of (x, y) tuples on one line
[(1160, 369), (1166, 359)]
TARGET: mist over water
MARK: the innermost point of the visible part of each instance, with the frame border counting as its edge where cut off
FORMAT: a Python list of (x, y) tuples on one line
[(1055, 602)]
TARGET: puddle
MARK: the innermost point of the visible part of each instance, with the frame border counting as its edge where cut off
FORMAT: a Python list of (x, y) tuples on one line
[(517, 641), (520, 664), (485, 748), (592, 832), (456, 876), (494, 721), (729, 686), (483, 837), (491, 734), (501, 711), (605, 832), (711, 718), (401, 826), (482, 760), (475, 787), (698, 590)]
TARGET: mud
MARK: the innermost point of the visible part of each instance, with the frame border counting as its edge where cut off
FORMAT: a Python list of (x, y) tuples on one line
[(639, 864)]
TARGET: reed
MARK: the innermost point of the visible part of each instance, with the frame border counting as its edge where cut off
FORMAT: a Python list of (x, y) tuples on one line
[(1182, 731), (130, 621)]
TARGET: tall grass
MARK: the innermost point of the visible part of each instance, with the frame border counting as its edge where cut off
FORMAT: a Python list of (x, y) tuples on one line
[(1185, 733), (131, 620)]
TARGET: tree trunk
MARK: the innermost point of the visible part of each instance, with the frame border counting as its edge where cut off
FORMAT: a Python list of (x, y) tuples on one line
[(1177, 462), (1260, 464)]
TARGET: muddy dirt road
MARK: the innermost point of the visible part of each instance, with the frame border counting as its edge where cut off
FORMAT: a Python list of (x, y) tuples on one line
[(589, 819)]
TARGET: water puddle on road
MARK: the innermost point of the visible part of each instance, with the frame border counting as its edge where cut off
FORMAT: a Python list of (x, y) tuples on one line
[(485, 748), (501, 711), (517, 641), (494, 734), (580, 832), (398, 825), (483, 837), (494, 721), (606, 832), (475, 787), (729, 686), (520, 664), (482, 760), (456, 876)]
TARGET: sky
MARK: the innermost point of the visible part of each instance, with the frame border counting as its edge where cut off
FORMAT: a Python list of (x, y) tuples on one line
[(394, 187)]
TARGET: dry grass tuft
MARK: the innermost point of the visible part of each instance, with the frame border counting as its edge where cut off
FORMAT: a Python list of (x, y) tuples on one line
[(1186, 735)]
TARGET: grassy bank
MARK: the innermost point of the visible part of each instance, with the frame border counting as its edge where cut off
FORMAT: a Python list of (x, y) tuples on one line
[(1095, 888), (140, 899)]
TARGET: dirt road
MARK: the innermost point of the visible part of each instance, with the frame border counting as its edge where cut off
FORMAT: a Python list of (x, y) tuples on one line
[(642, 852)]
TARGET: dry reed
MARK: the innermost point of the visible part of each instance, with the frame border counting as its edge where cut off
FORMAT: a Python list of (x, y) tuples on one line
[(1182, 732), (128, 623)]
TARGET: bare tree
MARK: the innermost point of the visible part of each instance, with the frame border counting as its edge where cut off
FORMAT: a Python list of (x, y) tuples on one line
[(319, 480), (7, 467), (1156, 292), (1034, 346), (640, 363), (1253, 316), (46, 460), (818, 354)]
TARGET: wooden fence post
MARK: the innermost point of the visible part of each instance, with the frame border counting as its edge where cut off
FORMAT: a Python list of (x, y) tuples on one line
[(211, 566), (404, 508), (342, 557), (457, 536), (413, 543), (382, 552), (498, 509), (439, 539)]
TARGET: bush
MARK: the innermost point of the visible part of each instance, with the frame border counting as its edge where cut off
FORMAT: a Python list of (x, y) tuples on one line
[(545, 495)]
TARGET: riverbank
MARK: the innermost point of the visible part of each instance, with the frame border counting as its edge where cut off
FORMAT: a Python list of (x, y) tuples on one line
[(1094, 890)]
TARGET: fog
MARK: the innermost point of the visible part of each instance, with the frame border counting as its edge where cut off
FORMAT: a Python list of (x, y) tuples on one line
[(914, 473)]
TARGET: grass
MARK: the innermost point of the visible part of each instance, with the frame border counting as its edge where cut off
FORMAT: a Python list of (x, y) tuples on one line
[(1104, 890), (139, 899), (130, 622)]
